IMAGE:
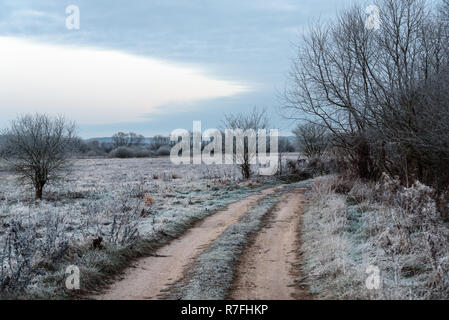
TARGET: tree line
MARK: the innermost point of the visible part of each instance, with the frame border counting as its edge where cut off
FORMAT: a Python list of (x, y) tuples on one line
[(126, 145), (378, 99), (38, 147)]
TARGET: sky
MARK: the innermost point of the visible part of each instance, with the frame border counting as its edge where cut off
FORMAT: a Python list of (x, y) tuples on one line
[(150, 66)]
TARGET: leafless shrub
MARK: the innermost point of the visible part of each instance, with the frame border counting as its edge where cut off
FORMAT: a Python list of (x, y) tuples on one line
[(312, 139), (137, 191), (163, 151), (28, 247), (55, 243), (17, 259), (130, 152), (124, 229), (360, 192), (416, 231), (292, 166), (304, 169)]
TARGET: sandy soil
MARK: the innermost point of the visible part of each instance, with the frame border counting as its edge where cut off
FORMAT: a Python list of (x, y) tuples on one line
[(266, 270), (150, 276)]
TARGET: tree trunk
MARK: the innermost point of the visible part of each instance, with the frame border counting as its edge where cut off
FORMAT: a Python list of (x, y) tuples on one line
[(280, 164), (363, 159), (39, 190), (246, 171)]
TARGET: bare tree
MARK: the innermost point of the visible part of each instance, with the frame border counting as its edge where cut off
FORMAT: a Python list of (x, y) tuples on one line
[(371, 88), (159, 141), (312, 139), (245, 128), (119, 139), (130, 139), (135, 140), (38, 148), (329, 82)]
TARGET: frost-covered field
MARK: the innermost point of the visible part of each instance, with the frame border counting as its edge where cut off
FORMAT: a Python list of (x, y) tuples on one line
[(102, 215)]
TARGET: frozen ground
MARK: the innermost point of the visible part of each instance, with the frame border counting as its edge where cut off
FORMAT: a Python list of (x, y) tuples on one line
[(104, 208)]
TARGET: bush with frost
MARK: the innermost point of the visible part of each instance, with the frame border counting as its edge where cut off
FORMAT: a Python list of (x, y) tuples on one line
[(163, 151)]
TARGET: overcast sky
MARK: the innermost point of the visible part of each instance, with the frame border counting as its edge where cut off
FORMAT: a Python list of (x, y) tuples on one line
[(149, 66)]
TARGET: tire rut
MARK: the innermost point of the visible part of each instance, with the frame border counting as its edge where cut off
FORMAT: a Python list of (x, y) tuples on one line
[(149, 277), (269, 267)]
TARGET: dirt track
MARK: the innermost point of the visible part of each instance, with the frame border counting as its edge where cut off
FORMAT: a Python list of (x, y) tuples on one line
[(265, 271), (150, 276)]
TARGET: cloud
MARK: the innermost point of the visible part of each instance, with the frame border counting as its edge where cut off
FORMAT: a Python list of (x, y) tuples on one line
[(95, 86), (20, 17)]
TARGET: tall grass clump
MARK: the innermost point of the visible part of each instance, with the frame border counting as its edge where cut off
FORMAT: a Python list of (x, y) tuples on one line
[(396, 229)]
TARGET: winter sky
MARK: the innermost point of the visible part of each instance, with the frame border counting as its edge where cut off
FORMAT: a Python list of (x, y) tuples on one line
[(150, 66)]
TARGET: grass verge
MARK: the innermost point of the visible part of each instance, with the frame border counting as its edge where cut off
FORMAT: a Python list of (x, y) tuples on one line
[(349, 235)]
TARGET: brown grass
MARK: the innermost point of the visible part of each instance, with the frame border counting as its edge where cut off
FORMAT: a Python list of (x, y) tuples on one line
[(149, 201)]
